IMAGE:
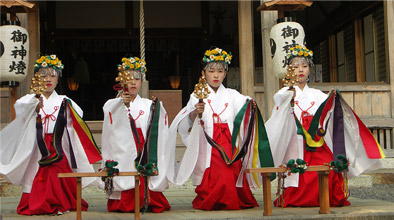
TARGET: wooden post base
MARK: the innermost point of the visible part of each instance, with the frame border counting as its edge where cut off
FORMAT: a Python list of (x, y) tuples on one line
[(322, 171), (79, 176)]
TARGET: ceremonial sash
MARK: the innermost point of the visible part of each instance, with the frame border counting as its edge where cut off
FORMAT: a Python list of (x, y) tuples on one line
[(149, 152), (309, 136), (253, 124), (85, 136), (57, 140), (337, 105), (135, 132), (371, 146)]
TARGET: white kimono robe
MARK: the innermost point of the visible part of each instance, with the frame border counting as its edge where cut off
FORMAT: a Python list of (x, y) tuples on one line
[(19, 153), (118, 142), (286, 144), (226, 103)]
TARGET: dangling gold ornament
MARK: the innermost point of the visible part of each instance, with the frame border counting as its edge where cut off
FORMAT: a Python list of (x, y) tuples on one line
[(201, 91), (38, 84), (291, 77), (290, 80)]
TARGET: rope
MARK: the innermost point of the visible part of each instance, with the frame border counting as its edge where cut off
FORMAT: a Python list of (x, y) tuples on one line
[(142, 34)]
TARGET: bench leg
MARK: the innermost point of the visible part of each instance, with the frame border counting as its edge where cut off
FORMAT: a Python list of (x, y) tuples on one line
[(267, 193), (324, 196), (137, 198), (79, 192)]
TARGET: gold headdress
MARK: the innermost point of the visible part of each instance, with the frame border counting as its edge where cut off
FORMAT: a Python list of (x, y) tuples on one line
[(132, 63)]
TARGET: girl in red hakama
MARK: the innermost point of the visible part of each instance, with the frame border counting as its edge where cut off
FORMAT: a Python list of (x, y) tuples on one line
[(121, 144), (58, 119), (215, 180), (302, 189)]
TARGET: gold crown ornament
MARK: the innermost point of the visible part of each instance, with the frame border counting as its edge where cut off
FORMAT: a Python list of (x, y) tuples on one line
[(217, 55), (131, 63), (49, 61), (299, 51)]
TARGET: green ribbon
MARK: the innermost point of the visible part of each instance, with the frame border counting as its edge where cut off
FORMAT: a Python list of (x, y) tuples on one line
[(265, 154)]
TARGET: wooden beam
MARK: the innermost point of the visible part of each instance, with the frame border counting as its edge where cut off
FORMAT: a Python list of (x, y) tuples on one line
[(13, 90), (359, 50), (388, 7), (79, 176), (67, 175), (284, 169), (352, 87), (271, 85), (33, 28), (322, 171), (16, 3), (246, 47), (284, 5)]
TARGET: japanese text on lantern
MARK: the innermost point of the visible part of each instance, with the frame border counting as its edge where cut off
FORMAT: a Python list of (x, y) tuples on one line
[(18, 65), (284, 36), (291, 33)]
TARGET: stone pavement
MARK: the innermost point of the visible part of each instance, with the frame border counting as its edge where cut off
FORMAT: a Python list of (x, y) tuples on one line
[(180, 199)]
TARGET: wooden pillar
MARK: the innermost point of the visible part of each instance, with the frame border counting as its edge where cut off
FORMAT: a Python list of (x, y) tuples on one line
[(13, 90), (332, 58), (324, 196), (79, 197), (137, 197), (30, 21), (359, 50), (388, 7), (267, 193), (246, 47), (271, 85), (33, 28)]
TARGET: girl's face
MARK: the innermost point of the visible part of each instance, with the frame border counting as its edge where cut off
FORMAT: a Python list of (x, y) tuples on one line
[(51, 79), (301, 68), (215, 74), (134, 85)]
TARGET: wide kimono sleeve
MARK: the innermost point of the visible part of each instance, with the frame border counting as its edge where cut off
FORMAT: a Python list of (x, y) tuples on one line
[(179, 173), (282, 130), (18, 150), (118, 143), (350, 136)]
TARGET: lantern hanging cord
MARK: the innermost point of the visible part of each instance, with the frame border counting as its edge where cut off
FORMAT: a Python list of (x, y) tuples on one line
[(142, 33)]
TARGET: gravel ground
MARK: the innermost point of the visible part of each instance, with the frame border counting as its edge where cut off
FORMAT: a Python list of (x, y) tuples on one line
[(377, 191)]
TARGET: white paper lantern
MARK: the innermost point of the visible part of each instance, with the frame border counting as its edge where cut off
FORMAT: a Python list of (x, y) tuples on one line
[(283, 36), (14, 54)]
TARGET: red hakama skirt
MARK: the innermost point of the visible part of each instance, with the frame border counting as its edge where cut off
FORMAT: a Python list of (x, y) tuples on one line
[(158, 202), (50, 194), (218, 190), (307, 192)]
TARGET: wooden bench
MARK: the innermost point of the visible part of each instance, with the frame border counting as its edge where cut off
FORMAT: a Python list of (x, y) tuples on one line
[(79, 176), (322, 171)]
